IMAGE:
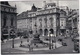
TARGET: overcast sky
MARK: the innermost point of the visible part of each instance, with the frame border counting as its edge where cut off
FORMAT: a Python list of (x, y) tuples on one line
[(26, 5)]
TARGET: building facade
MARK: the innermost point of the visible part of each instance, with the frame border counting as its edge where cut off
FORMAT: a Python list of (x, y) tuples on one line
[(73, 22), (44, 21), (22, 22), (49, 19), (8, 20), (63, 22)]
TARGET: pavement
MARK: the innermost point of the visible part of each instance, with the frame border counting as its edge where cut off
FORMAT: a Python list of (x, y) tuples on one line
[(7, 46), (35, 49), (58, 44), (61, 50), (6, 40)]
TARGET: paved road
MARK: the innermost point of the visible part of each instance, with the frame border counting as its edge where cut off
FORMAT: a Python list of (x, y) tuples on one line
[(8, 44), (64, 49)]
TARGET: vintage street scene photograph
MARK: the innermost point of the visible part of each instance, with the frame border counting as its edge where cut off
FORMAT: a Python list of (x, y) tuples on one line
[(40, 27)]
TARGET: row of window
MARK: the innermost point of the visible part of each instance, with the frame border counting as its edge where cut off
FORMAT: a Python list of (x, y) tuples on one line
[(45, 20), (31, 26), (8, 9), (46, 11), (42, 12), (24, 25), (21, 26), (5, 21), (31, 15)]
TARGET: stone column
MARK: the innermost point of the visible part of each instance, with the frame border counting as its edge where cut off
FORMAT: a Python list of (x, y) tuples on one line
[(8, 33), (8, 24), (43, 32), (54, 32), (72, 24)]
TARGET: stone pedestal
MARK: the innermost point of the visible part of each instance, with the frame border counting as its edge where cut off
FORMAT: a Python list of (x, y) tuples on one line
[(36, 39)]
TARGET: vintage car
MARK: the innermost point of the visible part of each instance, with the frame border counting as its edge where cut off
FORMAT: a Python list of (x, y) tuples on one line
[(76, 44)]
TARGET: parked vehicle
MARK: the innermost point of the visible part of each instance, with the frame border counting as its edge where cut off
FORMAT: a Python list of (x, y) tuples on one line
[(25, 36), (76, 44), (60, 39), (64, 44), (47, 39)]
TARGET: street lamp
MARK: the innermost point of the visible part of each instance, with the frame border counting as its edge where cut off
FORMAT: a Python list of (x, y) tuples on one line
[(50, 41), (54, 41), (13, 36), (21, 38)]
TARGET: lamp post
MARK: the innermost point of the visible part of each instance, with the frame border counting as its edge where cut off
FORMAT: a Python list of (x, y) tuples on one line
[(30, 32), (13, 36), (50, 41), (54, 41), (21, 38)]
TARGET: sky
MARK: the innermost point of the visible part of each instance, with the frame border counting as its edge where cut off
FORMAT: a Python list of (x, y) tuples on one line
[(26, 5)]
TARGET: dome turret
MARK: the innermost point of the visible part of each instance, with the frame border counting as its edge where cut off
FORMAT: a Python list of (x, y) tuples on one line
[(5, 3), (34, 8)]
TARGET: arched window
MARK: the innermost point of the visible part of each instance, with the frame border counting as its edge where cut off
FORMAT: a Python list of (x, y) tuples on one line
[(45, 20), (40, 20), (45, 31), (31, 20), (40, 31), (51, 31), (51, 21)]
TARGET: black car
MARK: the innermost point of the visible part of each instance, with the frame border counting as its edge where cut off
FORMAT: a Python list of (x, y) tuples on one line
[(47, 39), (25, 36), (76, 44), (64, 44)]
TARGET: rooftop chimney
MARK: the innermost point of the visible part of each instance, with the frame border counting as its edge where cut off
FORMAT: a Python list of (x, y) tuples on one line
[(44, 3)]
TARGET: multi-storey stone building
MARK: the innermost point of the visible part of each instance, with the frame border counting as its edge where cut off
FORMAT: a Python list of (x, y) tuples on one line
[(73, 22), (64, 11), (8, 19), (44, 20), (63, 22), (50, 18), (22, 22)]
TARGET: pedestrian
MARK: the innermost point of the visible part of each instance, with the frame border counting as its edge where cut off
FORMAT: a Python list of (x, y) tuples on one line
[(21, 44), (52, 43), (30, 48), (2, 40), (49, 46), (28, 40)]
